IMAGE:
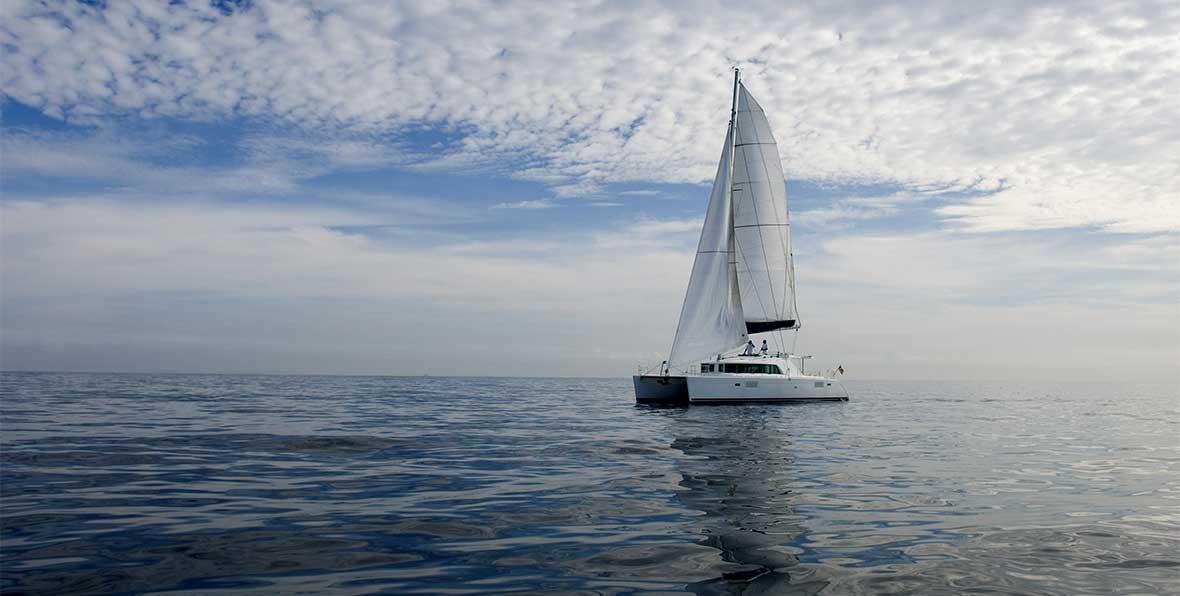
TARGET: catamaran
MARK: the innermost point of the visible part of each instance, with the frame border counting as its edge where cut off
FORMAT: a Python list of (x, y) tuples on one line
[(742, 283)]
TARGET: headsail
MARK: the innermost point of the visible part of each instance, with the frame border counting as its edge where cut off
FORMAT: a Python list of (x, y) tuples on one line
[(762, 233), (711, 320)]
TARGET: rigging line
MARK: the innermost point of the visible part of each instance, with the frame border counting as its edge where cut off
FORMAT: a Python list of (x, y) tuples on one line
[(761, 241), (790, 265), (757, 296), (781, 344), (791, 278), (786, 238)]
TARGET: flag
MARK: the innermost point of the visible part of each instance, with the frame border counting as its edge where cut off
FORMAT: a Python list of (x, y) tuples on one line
[(840, 369)]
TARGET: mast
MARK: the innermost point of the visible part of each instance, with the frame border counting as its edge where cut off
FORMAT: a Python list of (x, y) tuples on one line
[(735, 294), (737, 74)]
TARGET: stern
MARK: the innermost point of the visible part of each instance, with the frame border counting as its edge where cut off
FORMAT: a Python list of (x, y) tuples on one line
[(660, 389)]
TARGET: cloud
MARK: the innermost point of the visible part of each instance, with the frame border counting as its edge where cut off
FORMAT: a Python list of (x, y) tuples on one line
[(533, 204), (1061, 109), (1004, 306), (925, 268), (843, 210), (186, 285), (147, 160), (85, 277), (228, 253)]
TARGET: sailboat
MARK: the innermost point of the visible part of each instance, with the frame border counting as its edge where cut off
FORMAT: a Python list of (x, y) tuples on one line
[(742, 283)]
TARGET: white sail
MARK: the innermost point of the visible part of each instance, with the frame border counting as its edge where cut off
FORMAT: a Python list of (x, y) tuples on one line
[(762, 233), (711, 320)]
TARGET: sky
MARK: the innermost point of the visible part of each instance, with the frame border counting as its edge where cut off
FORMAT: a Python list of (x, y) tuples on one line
[(978, 192)]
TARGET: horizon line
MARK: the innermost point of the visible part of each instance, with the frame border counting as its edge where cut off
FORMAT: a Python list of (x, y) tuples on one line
[(428, 375)]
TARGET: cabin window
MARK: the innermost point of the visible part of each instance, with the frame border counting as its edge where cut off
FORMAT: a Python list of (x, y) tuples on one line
[(706, 368), (746, 368)]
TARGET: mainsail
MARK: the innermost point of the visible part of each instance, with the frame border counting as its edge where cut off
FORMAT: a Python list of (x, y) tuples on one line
[(762, 233)]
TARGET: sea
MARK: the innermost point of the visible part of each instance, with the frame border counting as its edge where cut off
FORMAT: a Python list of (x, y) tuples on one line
[(223, 484)]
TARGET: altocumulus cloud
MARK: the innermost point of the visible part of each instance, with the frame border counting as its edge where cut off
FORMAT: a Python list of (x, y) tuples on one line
[(1058, 111)]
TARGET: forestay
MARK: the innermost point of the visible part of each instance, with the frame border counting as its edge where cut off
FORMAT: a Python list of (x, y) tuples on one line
[(766, 273)]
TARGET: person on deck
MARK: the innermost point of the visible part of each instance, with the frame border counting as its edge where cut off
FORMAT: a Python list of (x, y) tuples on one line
[(765, 349), (749, 348)]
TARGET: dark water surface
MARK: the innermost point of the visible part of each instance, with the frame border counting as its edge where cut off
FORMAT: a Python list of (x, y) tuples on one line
[(191, 484)]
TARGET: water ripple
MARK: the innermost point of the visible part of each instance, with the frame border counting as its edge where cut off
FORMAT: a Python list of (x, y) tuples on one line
[(196, 484)]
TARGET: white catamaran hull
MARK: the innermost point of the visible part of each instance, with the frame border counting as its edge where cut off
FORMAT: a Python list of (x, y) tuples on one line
[(724, 388)]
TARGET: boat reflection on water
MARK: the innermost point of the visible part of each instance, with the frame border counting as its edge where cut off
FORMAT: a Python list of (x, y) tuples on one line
[(738, 470)]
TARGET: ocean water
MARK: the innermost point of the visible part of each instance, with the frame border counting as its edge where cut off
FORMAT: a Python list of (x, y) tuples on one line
[(194, 484)]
